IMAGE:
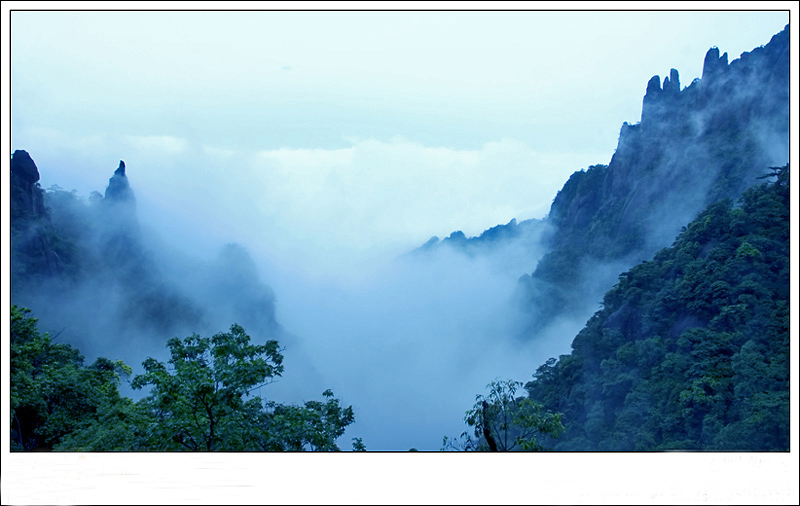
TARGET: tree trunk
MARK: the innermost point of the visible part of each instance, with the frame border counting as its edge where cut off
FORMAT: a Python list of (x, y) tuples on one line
[(486, 432)]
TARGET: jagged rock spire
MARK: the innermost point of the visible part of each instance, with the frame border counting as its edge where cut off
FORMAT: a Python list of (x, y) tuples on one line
[(122, 226), (672, 84), (653, 86), (651, 101), (714, 63), (119, 190)]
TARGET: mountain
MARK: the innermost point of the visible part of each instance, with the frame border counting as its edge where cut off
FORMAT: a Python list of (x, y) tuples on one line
[(85, 269), (691, 348), (524, 233), (692, 147), (33, 245)]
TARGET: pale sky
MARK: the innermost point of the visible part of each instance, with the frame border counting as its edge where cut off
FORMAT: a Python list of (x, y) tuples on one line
[(345, 133)]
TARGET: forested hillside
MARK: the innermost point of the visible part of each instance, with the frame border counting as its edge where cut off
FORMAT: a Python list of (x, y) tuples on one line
[(691, 348)]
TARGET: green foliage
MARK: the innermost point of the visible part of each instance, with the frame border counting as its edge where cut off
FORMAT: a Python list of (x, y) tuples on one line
[(119, 426), (514, 423), (201, 400), (52, 393), (314, 426), (358, 445), (690, 350)]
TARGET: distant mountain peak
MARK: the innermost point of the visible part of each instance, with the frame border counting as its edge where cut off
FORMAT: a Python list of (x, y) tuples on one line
[(22, 165), (693, 146), (119, 189), (714, 63)]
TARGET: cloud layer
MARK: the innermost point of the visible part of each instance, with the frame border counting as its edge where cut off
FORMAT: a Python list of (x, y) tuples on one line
[(321, 210)]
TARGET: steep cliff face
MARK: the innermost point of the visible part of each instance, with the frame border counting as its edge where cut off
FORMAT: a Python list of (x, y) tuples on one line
[(692, 147), (26, 196), (33, 241)]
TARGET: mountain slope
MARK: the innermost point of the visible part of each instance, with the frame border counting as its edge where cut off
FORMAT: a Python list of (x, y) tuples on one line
[(85, 269), (691, 348), (692, 147)]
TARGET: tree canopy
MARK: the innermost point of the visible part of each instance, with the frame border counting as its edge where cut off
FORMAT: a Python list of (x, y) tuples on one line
[(202, 399), (503, 421), (691, 348)]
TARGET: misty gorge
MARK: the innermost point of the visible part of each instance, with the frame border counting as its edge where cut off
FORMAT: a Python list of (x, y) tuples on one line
[(648, 310)]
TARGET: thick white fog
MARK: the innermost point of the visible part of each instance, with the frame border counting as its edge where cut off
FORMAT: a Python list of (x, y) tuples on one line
[(331, 145), (410, 345)]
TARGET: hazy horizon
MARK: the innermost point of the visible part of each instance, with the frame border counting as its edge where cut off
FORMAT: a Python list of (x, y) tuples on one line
[(343, 136)]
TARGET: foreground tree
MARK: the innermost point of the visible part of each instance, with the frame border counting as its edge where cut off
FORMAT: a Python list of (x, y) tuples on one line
[(314, 426), (200, 400), (52, 393), (501, 421)]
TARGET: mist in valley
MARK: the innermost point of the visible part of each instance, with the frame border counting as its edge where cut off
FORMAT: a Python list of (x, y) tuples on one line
[(407, 338)]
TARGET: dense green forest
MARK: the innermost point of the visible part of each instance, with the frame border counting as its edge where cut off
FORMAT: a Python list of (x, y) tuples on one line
[(203, 399), (691, 348)]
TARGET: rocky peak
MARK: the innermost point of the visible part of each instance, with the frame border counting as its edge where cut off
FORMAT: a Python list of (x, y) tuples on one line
[(693, 146), (656, 96), (119, 190), (31, 227), (23, 167), (653, 87), (119, 228), (672, 84), (27, 199), (456, 238), (713, 63)]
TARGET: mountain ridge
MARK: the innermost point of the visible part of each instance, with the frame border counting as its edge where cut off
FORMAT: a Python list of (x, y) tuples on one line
[(84, 264), (690, 350), (693, 147), (622, 189)]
